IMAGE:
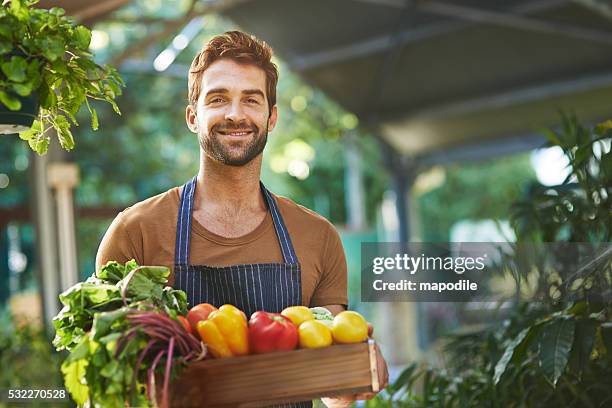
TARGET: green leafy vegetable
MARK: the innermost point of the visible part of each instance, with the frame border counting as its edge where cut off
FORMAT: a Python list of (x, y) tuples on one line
[(119, 326)]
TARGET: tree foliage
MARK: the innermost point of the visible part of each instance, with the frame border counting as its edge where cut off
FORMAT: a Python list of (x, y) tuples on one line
[(555, 349)]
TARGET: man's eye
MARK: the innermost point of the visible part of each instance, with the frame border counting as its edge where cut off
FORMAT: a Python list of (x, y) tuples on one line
[(216, 100), (252, 100)]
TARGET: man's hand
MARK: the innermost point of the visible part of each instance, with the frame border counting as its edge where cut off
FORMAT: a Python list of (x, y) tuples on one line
[(346, 400)]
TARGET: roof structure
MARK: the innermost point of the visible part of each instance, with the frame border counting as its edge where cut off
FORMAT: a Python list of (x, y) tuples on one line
[(438, 80), (435, 76)]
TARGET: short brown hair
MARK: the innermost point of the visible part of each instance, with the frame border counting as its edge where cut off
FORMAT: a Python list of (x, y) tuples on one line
[(240, 47)]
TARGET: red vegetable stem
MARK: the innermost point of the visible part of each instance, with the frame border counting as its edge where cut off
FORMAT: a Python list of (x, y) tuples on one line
[(152, 332), (167, 374), (128, 278), (158, 332), (155, 323), (152, 374), (123, 340), (141, 357)]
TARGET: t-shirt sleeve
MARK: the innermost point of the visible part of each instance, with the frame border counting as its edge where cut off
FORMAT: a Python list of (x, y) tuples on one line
[(332, 287), (117, 244)]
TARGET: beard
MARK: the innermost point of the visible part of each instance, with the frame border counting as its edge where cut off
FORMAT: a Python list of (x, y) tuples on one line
[(234, 153)]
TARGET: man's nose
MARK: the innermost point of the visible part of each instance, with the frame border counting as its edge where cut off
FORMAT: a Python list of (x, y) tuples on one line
[(235, 113)]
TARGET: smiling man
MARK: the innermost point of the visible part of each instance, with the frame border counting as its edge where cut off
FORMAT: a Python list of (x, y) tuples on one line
[(226, 238)]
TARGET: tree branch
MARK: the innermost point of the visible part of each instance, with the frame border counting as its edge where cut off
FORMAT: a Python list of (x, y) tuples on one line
[(172, 26)]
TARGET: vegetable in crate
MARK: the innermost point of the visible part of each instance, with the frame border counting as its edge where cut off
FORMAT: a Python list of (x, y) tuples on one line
[(225, 332), (349, 327), (198, 313), (119, 326), (298, 314), (271, 332), (322, 315), (314, 334)]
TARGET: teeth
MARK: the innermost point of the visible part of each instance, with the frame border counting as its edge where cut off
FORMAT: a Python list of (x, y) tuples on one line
[(238, 133)]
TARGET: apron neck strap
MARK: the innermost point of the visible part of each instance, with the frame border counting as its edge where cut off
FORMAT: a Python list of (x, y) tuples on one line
[(184, 221)]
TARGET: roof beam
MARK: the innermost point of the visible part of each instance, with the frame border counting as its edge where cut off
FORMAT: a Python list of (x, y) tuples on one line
[(481, 150), (482, 16), (389, 62), (599, 6), (385, 42), (514, 97)]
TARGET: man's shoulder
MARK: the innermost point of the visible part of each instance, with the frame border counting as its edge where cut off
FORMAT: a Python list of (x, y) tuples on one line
[(296, 213), (151, 210)]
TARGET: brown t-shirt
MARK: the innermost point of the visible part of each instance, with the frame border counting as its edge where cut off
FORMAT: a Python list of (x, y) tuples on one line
[(146, 232)]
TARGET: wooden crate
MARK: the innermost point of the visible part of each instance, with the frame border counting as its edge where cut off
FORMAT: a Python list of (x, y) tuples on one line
[(280, 377)]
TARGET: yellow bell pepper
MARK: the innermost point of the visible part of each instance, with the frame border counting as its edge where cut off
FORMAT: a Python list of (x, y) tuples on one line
[(349, 327), (314, 334), (297, 314), (225, 332)]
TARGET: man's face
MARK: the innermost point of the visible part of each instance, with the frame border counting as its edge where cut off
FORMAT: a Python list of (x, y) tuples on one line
[(232, 118)]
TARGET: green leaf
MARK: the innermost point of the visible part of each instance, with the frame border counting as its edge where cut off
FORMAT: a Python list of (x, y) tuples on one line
[(63, 132), (39, 143), (74, 379), (146, 282), (88, 292), (82, 37), (48, 98), (114, 105), (583, 344), (24, 89), (80, 351), (33, 73), (405, 379), (15, 68), (94, 119), (5, 47), (555, 346), (10, 102), (59, 66), (103, 322), (6, 28), (52, 47), (606, 336), (30, 133), (110, 370), (57, 11), (502, 364), (19, 10), (552, 137), (112, 272)]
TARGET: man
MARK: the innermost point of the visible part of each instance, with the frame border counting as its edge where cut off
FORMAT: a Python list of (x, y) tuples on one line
[(225, 236)]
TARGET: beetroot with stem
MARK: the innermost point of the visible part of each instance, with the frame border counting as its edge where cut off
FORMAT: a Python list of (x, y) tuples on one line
[(165, 337)]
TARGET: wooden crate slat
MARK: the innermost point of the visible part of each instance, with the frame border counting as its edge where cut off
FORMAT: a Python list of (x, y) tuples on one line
[(259, 380)]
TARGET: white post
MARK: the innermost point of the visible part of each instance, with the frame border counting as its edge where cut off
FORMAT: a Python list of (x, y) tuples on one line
[(355, 197), (63, 177), (46, 237)]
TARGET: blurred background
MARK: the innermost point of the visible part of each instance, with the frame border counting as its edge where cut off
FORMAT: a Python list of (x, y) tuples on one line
[(398, 121)]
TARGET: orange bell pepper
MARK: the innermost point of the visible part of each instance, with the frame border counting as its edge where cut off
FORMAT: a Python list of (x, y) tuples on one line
[(225, 333)]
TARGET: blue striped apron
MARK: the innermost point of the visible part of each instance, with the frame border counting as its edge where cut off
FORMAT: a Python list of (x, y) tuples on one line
[(250, 287)]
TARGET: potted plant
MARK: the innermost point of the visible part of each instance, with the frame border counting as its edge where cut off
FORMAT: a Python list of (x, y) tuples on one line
[(47, 74)]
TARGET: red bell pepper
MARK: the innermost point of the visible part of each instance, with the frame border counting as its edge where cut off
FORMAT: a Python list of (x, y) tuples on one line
[(271, 332)]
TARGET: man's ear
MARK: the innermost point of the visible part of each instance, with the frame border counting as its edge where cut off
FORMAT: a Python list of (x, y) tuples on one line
[(191, 118), (272, 119)]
